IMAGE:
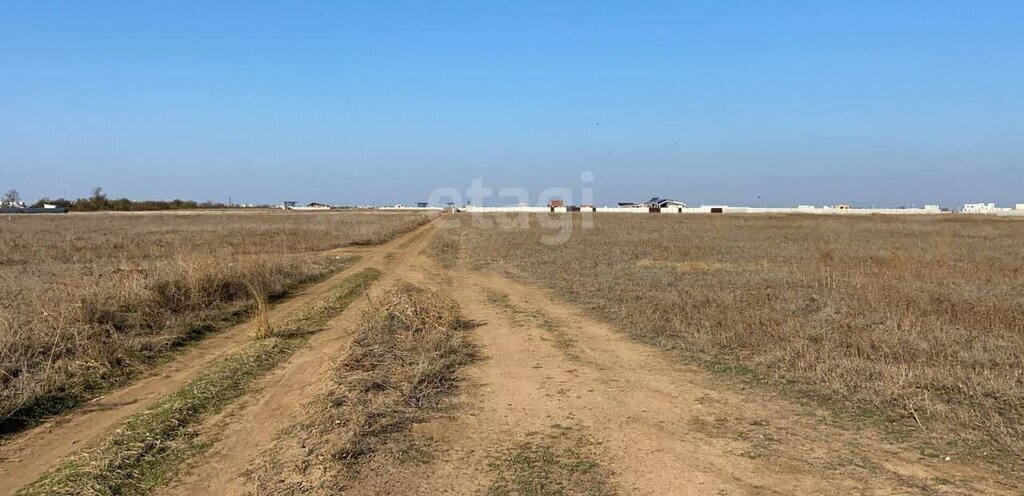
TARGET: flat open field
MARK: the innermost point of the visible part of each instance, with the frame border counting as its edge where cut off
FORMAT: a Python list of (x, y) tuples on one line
[(913, 320), (87, 299), (647, 354)]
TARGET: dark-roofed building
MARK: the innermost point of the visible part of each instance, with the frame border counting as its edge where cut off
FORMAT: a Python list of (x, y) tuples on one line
[(655, 204)]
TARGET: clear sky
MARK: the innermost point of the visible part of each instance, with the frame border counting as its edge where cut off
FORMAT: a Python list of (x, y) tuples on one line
[(887, 103)]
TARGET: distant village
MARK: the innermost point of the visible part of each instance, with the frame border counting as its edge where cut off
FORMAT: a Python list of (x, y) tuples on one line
[(668, 205), (653, 205)]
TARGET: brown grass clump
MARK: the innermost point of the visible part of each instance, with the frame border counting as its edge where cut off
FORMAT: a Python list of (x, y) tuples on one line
[(403, 363), (87, 300), (260, 312), (913, 320), (410, 345)]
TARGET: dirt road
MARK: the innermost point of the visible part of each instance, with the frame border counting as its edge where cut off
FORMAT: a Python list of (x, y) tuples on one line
[(661, 427), (654, 424), (241, 433)]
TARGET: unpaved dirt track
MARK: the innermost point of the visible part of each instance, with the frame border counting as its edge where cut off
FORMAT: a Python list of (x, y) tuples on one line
[(663, 427), (670, 428), (27, 456), (660, 426)]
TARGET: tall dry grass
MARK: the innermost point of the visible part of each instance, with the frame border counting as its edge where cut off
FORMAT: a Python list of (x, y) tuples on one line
[(260, 312), (914, 320), (88, 300)]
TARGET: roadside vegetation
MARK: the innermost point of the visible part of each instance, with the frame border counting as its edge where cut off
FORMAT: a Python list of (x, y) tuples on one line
[(401, 368), (912, 321), (146, 450), (87, 301)]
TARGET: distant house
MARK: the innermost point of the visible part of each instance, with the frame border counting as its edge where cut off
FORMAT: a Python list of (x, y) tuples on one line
[(422, 204), (291, 205), (655, 204), (979, 208), (666, 202)]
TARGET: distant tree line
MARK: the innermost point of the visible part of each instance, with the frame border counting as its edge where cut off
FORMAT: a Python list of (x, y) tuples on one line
[(99, 201)]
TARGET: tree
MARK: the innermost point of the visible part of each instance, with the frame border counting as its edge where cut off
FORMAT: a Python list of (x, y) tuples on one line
[(98, 201), (11, 197), (97, 196)]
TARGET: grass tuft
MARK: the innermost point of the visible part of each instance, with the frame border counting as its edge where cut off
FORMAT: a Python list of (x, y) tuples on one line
[(260, 312)]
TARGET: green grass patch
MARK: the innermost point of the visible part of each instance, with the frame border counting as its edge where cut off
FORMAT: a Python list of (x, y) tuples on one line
[(552, 464), (147, 449), (734, 369)]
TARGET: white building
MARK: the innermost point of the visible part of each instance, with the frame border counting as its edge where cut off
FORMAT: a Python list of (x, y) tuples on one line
[(979, 208)]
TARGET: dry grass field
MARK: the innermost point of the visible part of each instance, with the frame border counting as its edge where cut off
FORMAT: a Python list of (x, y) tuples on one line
[(915, 321), (649, 354), (86, 300)]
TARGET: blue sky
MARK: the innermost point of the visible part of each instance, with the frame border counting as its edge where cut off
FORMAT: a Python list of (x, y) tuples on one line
[(885, 103)]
